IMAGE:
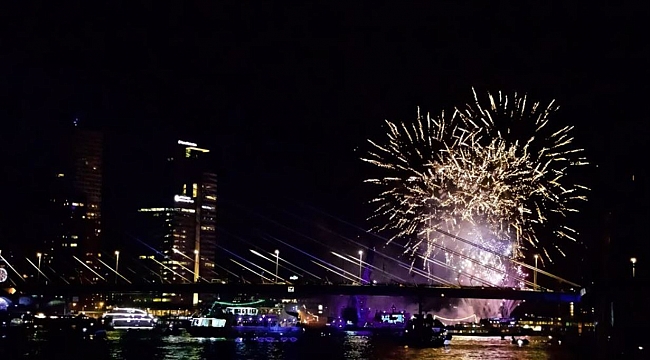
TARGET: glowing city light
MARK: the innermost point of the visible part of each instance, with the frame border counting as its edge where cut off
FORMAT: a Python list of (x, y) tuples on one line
[(183, 199)]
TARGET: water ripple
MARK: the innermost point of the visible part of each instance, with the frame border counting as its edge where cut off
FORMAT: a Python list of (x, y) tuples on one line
[(147, 346)]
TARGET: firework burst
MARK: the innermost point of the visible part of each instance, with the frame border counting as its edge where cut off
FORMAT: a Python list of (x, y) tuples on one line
[(473, 190)]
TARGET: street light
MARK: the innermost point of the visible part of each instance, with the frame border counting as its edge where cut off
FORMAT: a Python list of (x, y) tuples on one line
[(360, 266), (117, 263), (277, 258), (535, 273), (39, 256), (633, 261)]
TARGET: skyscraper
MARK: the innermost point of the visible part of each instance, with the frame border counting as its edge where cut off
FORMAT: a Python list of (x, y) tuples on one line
[(74, 227), (186, 226)]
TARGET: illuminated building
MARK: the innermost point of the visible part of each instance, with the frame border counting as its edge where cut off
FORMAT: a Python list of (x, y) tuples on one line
[(74, 227), (157, 224), (185, 231)]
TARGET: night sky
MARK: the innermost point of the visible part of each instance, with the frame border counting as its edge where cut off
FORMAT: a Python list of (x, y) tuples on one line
[(286, 96)]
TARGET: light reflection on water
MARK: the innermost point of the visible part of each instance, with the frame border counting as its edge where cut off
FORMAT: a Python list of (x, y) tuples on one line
[(144, 346)]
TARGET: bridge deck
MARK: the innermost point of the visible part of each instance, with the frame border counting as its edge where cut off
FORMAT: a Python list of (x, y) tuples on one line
[(306, 291)]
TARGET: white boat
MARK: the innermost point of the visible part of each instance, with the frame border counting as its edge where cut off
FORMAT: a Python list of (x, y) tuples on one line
[(129, 318)]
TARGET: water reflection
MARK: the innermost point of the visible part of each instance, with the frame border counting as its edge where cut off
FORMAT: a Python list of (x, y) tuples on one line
[(147, 346)]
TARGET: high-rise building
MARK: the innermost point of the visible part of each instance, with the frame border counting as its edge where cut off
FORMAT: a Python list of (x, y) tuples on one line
[(185, 230), (72, 240), (156, 228)]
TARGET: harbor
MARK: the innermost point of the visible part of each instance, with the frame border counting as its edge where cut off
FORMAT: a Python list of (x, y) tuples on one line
[(261, 320), (256, 327)]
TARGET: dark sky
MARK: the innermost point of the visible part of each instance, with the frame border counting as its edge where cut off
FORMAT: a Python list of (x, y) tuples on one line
[(284, 94)]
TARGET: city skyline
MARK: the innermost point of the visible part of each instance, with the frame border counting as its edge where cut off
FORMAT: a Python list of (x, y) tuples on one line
[(288, 120), (210, 179), (132, 245)]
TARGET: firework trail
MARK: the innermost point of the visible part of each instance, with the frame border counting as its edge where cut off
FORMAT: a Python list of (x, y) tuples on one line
[(492, 174)]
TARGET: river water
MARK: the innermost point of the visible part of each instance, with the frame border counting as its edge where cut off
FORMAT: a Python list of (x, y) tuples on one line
[(122, 345)]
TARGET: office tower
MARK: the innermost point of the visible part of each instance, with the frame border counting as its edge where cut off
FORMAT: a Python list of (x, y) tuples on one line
[(155, 227), (185, 229), (193, 240), (74, 226)]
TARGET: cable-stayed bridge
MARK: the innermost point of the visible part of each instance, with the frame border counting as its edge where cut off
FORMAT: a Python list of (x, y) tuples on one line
[(302, 283), (259, 268)]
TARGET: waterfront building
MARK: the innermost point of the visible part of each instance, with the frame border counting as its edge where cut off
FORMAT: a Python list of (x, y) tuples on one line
[(73, 229), (182, 229)]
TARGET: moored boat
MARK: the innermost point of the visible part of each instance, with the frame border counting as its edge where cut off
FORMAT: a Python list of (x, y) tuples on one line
[(68, 328), (129, 319), (249, 320), (425, 332), (172, 325)]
